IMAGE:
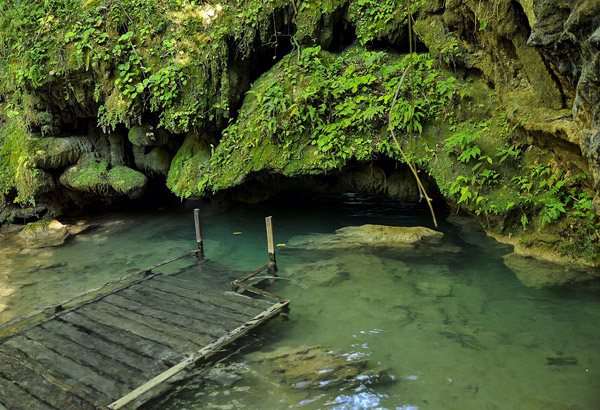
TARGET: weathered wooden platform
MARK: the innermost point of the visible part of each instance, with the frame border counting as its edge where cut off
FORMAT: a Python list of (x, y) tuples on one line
[(117, 349)]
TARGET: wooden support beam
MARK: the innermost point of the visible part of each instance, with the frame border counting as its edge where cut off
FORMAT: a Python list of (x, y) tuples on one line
[(198, 226), (271, 246)]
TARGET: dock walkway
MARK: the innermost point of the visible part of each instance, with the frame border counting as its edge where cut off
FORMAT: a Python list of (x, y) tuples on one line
[(120, 348)]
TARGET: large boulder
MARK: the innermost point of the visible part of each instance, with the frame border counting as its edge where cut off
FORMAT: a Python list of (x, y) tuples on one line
[(48, 232), (370, 236), (187, 165), (95, 178)]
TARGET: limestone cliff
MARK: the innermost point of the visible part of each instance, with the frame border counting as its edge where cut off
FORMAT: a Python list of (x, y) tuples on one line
[(499, 110)]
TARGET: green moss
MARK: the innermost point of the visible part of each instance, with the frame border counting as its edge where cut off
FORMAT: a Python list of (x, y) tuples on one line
[(315, 114), (127, 181), (188, 164), (90, 176), (94, 177), (17, 171), (38, 225)]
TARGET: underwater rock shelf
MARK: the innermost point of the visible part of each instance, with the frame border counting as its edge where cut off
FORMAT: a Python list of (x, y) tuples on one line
[(125, 347)]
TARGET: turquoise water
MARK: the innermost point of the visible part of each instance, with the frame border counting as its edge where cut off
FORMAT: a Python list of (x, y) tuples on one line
[(450, 324)]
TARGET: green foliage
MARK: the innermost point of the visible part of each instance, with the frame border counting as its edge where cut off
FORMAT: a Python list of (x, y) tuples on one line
[(168, 57), (465, 141), (338, 105), (16, 171), (377, 19)]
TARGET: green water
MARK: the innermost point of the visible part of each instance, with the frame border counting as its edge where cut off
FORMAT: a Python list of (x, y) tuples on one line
[(453, 325)]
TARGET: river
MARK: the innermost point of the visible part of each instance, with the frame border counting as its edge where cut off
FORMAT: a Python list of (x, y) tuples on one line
[(451, 325)]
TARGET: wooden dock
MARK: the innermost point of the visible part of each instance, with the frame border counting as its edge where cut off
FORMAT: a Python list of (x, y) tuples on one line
[(118, 346)]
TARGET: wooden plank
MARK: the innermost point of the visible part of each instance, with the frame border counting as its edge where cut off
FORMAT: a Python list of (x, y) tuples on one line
[(106, 315), (217, 313), (163, 356), (176, 333), (257, 291), (40, 386), (72, 373), (260, 304), (224, 307), (206, 313), (96, 361), (15, 398), (206, 331), (227, 309), (193, 288), (203, 353), (254, 272), (94, 341)]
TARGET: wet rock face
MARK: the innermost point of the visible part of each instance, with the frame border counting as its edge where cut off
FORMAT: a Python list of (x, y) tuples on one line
[(568, 36), (542, 57)]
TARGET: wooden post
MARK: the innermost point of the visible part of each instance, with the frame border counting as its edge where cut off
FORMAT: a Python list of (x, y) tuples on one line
[(271, 246), (198, 232)]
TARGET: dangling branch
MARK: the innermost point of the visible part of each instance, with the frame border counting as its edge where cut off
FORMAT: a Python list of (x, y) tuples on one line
[(412, 168)]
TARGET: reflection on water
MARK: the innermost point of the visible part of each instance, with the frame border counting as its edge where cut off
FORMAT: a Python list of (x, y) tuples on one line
[(444, 327)]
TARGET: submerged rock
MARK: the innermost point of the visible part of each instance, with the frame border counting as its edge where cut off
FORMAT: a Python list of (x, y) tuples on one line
[(372, 236), (48, 232), (222, 376), (321, 273), (313, 367), (536, 273), (435, 287)]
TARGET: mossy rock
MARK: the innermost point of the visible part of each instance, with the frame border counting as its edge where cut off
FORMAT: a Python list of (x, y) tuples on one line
[(187, 165), (94, 178), (155, 162), (42, 182), (51, 153), (89, 176), (44, 233), (147, 136), (127, 181)]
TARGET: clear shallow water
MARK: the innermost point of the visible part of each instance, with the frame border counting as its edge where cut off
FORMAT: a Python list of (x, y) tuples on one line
[(452, 324)]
